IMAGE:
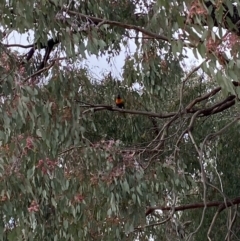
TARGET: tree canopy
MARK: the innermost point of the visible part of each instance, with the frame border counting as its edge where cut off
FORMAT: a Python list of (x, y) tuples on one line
[(74, 166)]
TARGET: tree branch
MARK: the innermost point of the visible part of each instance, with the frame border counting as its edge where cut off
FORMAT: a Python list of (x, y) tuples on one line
[(221, 205)]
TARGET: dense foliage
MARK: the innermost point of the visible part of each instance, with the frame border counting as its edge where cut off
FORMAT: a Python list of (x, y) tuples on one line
[(73, 166)]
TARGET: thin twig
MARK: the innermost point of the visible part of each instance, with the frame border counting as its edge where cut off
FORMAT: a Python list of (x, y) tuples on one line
[(39, 72)]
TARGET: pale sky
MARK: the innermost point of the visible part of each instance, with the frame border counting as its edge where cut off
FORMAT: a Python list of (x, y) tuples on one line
[(98, 66)]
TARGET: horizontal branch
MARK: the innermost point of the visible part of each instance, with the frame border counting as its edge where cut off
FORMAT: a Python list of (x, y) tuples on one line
[(96, 108), (216, 108), (18, 45), (220, 205)]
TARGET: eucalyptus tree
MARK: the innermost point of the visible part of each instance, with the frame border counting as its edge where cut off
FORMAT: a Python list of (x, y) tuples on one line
[(74, 166)]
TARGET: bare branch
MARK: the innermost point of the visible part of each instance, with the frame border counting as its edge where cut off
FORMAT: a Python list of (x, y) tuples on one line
[(195, 206), (39, 72), (18, 45)]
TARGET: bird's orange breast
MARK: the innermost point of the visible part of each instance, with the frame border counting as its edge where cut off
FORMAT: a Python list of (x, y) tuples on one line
[(119, 101)]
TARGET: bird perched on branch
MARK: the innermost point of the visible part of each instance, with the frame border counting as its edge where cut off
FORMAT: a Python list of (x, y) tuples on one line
[(119, 102)]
